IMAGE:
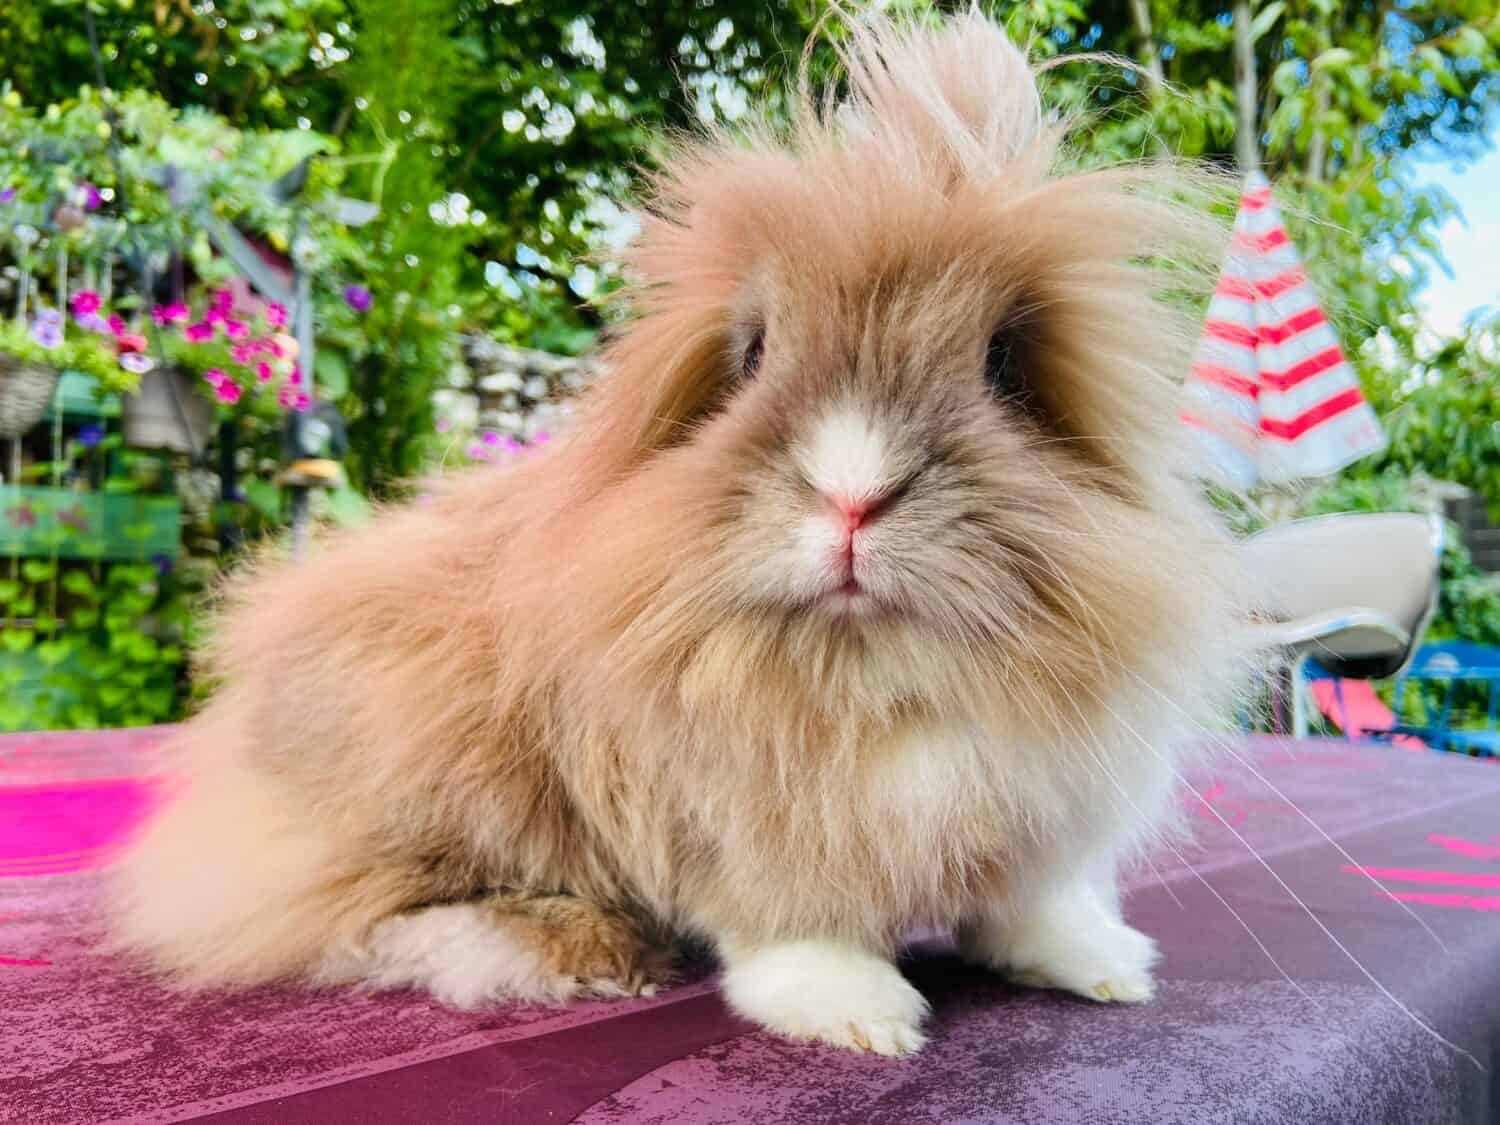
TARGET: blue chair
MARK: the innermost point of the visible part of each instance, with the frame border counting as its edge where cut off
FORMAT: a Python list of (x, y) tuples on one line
[(1452, 663)]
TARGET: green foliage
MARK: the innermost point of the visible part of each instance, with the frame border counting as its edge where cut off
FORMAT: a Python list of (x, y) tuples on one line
[(78, 351), (90, 645), (1442, 414)]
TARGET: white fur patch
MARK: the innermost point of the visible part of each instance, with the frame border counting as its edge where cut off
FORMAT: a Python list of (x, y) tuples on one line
[(832, 993), (847, 455), (456, 952), (1074, 941)]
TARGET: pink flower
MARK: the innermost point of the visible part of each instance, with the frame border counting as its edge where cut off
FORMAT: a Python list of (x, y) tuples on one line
[(295, 378), (85, 302), (228, 391), (512, 444), (198, 333), (242, 353), (479, 452), (214, 315), (169, 314), (541, 437), (236, 329), (284, 396), (263, 372), (301, 403), (490, 437), (215, 376), (276, 315), (117, 324), (222, 299), (443, 425)]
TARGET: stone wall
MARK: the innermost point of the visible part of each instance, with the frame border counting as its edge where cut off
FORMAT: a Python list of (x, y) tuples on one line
[(515, 392)]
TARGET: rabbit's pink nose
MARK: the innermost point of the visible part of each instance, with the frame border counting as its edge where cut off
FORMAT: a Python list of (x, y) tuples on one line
[(855, 512)]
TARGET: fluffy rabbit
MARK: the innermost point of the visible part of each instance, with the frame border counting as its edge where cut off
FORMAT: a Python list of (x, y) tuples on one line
[(863, 592)]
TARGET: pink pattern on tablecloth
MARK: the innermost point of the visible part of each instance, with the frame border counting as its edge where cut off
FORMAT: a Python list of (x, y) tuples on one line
[(67, 826)]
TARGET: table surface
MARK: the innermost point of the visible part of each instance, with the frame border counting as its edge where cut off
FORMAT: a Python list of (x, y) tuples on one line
[(1232, 1036)]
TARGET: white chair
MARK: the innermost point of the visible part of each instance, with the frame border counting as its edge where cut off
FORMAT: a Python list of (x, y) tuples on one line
[(1355, 591)]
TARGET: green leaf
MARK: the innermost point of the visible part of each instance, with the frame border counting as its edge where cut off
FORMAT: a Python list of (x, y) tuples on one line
[(53, 653), (78, 582), (1333, 59), (1265, 18), (10, 589), (37, 570), (17, 640), (85, 617), (264, 497), (332, 374)]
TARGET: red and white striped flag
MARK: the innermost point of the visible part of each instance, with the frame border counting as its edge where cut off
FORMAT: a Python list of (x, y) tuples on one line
[(1271, 397)]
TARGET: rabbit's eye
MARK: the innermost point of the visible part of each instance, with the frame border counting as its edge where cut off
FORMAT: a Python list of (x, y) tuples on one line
[(999, 367), (750, 363)]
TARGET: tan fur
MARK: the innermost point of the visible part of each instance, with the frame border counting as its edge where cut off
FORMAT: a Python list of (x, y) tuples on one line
[(600, 672)]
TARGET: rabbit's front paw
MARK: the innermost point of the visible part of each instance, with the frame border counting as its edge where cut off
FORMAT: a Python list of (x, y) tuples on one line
[(830, 993), (1072, 942)]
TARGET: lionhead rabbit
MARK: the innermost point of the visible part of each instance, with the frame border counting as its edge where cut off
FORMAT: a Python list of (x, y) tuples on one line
[(863, 592)]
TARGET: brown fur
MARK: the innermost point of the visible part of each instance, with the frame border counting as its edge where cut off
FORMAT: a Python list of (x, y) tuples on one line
[(589, 672)]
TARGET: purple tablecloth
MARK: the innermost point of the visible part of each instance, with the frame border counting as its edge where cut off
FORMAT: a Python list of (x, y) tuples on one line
[(1228, 1039)]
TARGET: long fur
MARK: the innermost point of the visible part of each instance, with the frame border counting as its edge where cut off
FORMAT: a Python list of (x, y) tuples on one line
[(609, 670)]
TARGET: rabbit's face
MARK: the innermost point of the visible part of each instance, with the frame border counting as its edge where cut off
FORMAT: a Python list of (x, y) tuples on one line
[(893, 456)]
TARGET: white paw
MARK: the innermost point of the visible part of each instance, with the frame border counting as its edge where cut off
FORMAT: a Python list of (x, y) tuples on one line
[(1071, 943), (831, 993)]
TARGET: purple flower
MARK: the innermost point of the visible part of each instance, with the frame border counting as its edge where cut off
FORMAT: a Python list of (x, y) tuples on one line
[(7, 195), (90, 435), (358, 298), (46, 329), (87, 196), (443, 425), (137, 363), (163, 564), (490, 437), (94, 323)]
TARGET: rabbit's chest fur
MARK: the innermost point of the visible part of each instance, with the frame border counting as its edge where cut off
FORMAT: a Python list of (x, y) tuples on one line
[(931, 824)]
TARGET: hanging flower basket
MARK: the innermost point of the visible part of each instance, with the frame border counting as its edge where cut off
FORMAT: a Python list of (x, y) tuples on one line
[(25, 390), (167, 412)]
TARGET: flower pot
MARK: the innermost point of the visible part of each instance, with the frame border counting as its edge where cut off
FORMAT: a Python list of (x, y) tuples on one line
[(167, 412), (25, 391)]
